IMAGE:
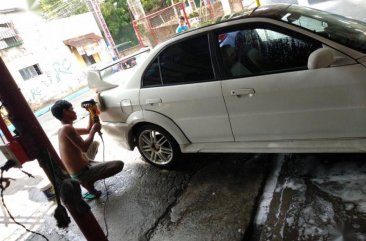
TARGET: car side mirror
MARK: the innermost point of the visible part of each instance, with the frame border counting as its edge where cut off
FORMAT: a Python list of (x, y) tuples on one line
[(96, 83), (321, 58)]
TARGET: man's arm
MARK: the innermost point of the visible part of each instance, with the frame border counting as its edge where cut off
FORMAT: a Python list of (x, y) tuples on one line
[(83, 145), (84, 131)]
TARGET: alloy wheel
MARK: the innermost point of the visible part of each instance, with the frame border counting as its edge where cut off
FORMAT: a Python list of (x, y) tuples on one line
[(155, 147)]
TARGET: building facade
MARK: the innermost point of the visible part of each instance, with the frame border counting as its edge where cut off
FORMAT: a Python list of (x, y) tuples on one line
[(48, 59)]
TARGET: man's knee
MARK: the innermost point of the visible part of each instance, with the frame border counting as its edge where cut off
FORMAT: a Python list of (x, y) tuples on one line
[(115, 166), (119, 165)]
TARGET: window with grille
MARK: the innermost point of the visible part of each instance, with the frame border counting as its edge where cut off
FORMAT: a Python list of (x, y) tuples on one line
[(30, 72)]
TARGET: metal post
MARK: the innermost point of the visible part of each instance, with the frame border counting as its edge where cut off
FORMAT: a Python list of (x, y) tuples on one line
[(35, 141), (155, 39), (95, 9), (137, 31), (212, 13), (80, 211), (185, 14)]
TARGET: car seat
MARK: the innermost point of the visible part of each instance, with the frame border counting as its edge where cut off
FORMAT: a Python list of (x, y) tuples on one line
[(252, 57)]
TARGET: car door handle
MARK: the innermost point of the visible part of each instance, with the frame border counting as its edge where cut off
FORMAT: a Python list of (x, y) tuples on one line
[(153, 101), (240, 92)]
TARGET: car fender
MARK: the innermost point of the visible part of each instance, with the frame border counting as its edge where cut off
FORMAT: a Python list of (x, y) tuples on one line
[(143, 117)]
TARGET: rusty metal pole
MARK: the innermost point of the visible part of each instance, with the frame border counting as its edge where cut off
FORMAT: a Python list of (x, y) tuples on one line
[(185, 14), (38, 146), (137, 32)]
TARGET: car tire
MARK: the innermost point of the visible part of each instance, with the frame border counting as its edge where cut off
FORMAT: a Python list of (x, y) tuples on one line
[(157, 146)]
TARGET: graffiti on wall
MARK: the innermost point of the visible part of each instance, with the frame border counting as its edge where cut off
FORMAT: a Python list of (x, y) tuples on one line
[(60, 79), (61, 68)]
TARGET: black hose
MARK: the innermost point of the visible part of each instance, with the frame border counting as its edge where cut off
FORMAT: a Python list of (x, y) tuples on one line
[(5, 168)]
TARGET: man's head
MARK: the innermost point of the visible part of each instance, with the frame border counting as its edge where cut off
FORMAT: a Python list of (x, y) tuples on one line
[(181, 20), (228, 54), (59, 107)]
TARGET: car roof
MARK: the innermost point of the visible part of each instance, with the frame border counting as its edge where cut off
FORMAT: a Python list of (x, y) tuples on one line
[(273, 11), (279, 12)]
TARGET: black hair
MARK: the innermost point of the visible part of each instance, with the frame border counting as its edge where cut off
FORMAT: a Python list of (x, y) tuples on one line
[(58, 108), (181, 18)]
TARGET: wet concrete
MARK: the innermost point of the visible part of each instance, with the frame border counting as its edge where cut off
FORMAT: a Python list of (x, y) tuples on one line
[(218, 202), (319, 197), (206, 197), (215, 197)]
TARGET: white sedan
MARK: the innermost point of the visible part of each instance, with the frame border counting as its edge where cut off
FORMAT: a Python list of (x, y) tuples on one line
[(291, 79)]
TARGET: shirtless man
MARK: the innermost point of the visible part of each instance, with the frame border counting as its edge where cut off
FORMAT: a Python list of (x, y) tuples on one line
[(72, 146)]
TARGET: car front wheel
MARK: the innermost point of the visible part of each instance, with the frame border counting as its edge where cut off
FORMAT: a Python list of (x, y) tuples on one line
[(157, 146)]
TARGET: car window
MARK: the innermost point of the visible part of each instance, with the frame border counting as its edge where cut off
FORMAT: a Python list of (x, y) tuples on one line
[(347, 31), (312, 24), (187, 61), (152, 75), (253, 51)]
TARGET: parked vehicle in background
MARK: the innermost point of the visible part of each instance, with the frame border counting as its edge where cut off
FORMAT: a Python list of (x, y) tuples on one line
[(109, 75), (291, 79), (129, 63)]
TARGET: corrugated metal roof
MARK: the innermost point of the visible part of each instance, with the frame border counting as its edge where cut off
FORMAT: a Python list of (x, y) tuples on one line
[(12, 6), (83, 40), (7, 33)]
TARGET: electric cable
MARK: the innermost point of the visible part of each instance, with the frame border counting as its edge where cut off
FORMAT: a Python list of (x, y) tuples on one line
[(91, 107), (27, 173), (9, 164), (106, 190), (7, 210)]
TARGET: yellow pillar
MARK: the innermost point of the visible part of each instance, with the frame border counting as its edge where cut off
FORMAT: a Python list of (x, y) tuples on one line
[(258, 2)]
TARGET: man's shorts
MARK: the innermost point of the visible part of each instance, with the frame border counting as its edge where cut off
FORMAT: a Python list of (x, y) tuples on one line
[(91, 172), (92, 151)]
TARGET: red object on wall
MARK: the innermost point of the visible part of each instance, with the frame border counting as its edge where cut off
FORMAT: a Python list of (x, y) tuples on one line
[(18, 153), (36, 143)]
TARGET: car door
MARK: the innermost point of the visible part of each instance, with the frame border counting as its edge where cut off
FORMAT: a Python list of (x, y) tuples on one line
[(275, 96), (181, 85)]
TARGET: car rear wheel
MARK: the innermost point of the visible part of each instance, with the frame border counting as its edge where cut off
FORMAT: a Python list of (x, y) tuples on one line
[(157, 146)]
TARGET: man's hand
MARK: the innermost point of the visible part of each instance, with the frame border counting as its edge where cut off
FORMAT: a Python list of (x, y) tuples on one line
[(96, 127), (95, 119)]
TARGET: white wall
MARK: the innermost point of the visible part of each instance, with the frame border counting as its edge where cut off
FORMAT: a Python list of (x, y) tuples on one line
[(43, 45)]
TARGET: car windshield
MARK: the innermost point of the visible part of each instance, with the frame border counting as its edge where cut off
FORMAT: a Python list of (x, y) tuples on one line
[(349, 32)]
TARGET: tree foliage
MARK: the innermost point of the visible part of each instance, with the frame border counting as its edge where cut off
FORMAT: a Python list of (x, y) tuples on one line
[(118, 19), (115, 13), (61, 8), (153, 5)]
